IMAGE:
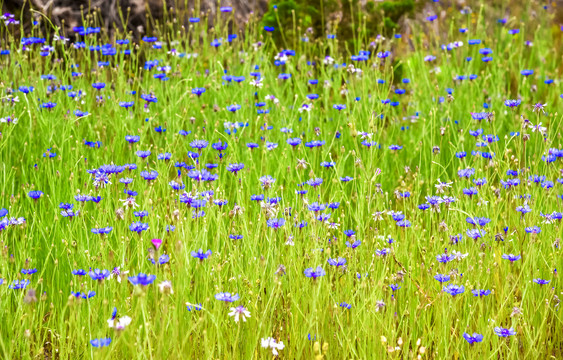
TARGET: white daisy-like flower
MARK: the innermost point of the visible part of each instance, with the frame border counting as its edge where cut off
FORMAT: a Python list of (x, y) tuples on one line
[(239, 312), (272, 344)]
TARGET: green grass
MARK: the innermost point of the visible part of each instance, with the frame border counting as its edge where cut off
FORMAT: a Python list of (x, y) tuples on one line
[(421, 319)]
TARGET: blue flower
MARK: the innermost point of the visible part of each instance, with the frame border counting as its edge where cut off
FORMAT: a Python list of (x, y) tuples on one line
[(454, 290), (511, 257), (35, 194), (504, 332), (142, 279), (98, 274), (102, 342), (275, 223), (227, 297), (541, 281), (471, 339), (512, 103), (19, 284), (200, 254), (337, 262), (442, 278), (481, 293), (138, 227), (314, 273)]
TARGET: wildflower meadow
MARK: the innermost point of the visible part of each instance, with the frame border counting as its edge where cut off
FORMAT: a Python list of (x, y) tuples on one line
[(260, 192)]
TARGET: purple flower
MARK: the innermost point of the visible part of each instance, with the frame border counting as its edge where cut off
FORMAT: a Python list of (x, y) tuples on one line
[(541, 281), (394, 287), (276, 223), (512, 103), (138, 227), (454, 290), (142, 279), (19, 284), (337, 262), (511, 257), (503, 332), (314, 273), (235, 168), (471, 339), (35, 194), (100, 342), (199, 144), (200, 254), (442, 278), (227, 297), (480, 293), (98, 274)]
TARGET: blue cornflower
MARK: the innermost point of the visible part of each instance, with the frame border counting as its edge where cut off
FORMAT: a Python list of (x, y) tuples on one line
[(504, 332), (481, 293), (481, 221), (35, 194), (454, 290), (201, 255), (199, 144), (445, 258), (314, 182), (275, 223), (475, 233), (138, 227), (227, 297), (235, 168), (98, 274), (149, 175), (294, 141), (314, 273), (345, 305), (394, 287), (442, 278), (533, 230), (19, 284), (102, 231), (541, 281), (471, 339), (512, 103), (353, 245), (511, 257), (79, 294), (142, 279), (102, 342), (337, 262)]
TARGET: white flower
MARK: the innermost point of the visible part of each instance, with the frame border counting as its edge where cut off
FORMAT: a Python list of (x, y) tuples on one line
[(117, 273), (238, 312), (290, 241), (538, 128), (305, 107), (120, 324), (377, 216), (129, 202), (272, 344), (458, 255), (256, 83), (166, 287), (442, 185), (333, 225)]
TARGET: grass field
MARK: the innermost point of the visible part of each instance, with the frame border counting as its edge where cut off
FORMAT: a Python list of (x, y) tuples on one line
[(218, 197)]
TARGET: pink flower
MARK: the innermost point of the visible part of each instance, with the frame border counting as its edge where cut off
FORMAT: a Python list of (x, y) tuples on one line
[(156, 243)]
